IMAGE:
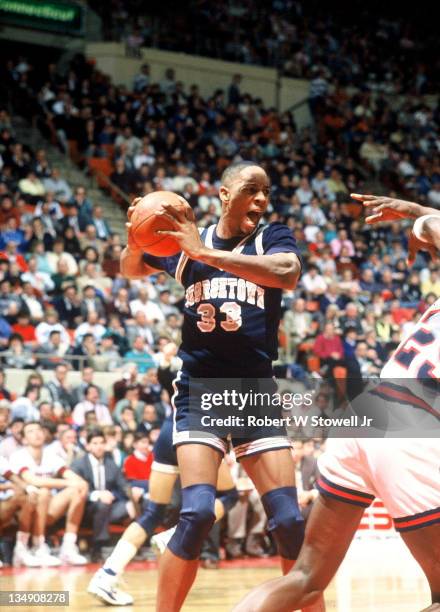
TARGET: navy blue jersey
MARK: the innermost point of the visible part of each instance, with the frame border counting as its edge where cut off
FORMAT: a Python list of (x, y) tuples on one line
[(230, 324)]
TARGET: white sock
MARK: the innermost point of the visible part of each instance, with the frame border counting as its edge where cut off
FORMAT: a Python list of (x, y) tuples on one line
[(69, 538), (23, 537), (38, 541), (122, 555)]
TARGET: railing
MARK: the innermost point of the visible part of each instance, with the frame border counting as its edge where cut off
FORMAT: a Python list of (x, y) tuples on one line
[(298, 105), (105, 182), (44, 360)]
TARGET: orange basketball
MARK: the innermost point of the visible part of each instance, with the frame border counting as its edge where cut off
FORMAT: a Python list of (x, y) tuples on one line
[(145, 224)]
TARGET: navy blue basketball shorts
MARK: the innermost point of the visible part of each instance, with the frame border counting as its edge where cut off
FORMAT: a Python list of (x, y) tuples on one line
[(193, 424), (165, 459)]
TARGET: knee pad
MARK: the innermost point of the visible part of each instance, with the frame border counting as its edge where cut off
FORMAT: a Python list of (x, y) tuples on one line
[(152, 517), (228, 497), (197, 516), (285, 521)]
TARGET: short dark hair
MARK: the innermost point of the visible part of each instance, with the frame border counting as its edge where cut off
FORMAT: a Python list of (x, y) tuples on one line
[(29, 423), (94, 433), (232, 170), (17, 420), (140, 435), (127, 408)]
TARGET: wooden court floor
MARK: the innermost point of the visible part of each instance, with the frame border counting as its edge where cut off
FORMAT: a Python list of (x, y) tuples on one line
[(375, 577)]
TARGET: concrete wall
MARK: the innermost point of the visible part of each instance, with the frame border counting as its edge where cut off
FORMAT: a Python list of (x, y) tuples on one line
[(208, 74), (16, 379)]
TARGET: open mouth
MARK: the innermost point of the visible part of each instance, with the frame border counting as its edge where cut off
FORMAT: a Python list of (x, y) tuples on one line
[(253, 216)]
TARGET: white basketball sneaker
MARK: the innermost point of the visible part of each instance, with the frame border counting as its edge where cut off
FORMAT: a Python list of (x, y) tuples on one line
[(70, 555), (44, 557), (159, 542), (23, 556), (104, 586)]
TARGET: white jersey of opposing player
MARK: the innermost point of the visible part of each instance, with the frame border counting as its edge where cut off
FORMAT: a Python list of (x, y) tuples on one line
[(418, 355)]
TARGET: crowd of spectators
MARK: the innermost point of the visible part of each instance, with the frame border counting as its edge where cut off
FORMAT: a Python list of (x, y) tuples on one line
[(65, 307), (354, 43)]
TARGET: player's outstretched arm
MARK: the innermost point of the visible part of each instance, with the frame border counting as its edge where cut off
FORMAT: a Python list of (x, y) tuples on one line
[(131, 262), (381, 208), (279, 270)]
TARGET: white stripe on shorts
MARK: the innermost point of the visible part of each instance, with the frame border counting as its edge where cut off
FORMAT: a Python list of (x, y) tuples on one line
[(164, 468), (262, 445), (199, 437)]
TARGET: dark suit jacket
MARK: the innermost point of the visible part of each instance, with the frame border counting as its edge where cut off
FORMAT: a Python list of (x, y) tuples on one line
[(114, 480), (67, 311)]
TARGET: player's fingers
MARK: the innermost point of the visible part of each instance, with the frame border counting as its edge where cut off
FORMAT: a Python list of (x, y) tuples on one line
[(371, 219), (128, 226), (165, 215), (175, 212), (361, 197), (182, 199), (130, 211), (377, 202), (166, 232)]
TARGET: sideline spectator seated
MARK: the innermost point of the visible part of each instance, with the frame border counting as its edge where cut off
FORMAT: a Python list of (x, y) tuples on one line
[(108, 497)]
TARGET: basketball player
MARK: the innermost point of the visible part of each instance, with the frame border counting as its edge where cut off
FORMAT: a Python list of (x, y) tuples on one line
[(404, 473), (233, 274), (61, 492), (16, 495), (164, 472)]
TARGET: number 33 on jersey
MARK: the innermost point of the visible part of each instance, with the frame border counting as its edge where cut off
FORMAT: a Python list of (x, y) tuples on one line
[(230, 324)]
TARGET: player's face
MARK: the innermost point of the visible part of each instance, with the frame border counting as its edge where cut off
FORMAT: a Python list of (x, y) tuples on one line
[(247, 198)]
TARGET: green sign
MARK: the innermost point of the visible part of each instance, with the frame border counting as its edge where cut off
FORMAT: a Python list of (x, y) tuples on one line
[(60, 17)]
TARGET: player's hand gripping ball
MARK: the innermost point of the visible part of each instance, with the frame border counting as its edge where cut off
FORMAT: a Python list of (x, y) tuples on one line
[(144, 223)]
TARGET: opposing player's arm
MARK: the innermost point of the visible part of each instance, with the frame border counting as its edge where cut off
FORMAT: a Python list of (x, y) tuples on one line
[(382, 209)]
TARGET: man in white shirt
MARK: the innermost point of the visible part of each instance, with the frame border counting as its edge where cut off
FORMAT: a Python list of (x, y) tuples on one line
[(151, 309), (145, 156), (40, 467), (313, 282), (91, 403), (314, 213), (40, 281), (43, 329), (91, 326)]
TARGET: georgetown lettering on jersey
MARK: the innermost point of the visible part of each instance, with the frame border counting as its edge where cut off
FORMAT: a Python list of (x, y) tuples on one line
[(223, 288)]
